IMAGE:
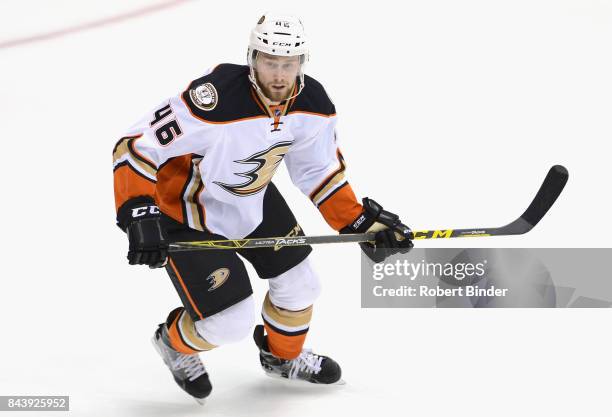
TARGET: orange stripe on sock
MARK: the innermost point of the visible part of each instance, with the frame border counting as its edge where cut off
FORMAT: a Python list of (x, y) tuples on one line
[(175, 338), (286, 347)]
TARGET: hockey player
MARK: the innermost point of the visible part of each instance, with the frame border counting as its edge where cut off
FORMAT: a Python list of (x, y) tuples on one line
[(199, 167)]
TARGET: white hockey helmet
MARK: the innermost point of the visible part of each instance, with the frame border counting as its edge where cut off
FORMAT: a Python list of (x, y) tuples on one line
[(280, 35)]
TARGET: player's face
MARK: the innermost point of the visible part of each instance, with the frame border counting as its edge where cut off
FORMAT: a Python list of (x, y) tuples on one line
[(276, 74)]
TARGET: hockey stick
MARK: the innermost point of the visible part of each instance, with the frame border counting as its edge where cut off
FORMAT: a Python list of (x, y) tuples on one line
[(547, 194)]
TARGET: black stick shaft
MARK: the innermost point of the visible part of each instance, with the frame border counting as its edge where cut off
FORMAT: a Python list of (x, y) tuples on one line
[(268, 242), (546, 196)]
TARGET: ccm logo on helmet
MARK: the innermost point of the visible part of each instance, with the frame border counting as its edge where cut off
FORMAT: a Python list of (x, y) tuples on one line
[(281, 44)]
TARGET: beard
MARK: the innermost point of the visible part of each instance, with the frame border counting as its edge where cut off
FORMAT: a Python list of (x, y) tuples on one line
[(277, 94)]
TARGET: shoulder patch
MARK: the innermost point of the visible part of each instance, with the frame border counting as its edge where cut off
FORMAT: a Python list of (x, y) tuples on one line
[(204, 96), (222, 96)]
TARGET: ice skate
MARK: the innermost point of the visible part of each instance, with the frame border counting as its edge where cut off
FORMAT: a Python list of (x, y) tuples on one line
[(188, 370), (308, 366)]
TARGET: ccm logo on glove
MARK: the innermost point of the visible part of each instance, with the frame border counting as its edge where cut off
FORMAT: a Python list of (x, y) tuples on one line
[(145, 210)]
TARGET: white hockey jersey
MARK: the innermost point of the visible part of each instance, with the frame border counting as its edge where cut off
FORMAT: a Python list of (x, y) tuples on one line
[(207, 155)]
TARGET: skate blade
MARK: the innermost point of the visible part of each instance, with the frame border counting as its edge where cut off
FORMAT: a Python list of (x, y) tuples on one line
[(288, 381), (201, 401), (158, 349)]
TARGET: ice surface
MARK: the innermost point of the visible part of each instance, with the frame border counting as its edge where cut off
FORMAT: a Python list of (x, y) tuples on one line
[(450, 114)]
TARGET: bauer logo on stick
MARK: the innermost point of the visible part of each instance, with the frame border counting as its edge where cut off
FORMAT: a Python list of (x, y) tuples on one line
[(204, 96)]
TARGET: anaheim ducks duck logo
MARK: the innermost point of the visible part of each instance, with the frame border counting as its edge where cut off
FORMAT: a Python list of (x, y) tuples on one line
[(218, 278), (258, 178)]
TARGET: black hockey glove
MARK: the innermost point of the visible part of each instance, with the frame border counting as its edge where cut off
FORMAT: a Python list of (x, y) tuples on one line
[(147, 243), (392, 235)]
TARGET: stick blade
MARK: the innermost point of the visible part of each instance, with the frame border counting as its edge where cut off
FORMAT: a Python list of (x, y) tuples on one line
[(547, 194)]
